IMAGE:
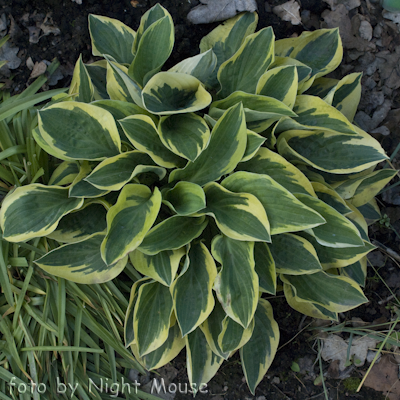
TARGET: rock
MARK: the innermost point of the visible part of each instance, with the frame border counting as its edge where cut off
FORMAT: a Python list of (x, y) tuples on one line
[(219, 10), (382, 130), (9, 53), (392, 196), (377, 258), (365, 30)]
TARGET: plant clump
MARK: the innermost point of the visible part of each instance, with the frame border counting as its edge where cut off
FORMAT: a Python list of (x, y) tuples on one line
[(235, 173)]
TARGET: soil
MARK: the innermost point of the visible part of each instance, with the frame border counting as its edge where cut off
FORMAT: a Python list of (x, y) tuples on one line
[(374, 50)]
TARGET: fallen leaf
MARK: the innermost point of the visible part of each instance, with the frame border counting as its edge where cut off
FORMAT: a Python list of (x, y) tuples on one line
[(219, 10), (47, 26), (38, 69), (383, 377), (289, 12)]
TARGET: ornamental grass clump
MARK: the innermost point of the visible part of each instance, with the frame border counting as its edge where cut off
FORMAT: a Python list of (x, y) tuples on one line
[(235, 173)]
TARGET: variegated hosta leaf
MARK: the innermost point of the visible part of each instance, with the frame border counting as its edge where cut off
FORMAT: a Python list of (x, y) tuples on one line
[(98, 75), (201, 66), (81, 87), (81, 188), (330, 197), (172, 234), (81, 262), (226, 38), (112, 37), (155, 46), (226, 148), (338, 231), (294, 255), (120, 86), (185, 198), (321, 50), (114, 172), (265, 268), (202, 363), (129, 220), (257, 354), (212, 327), (254, 142), (304, 80), (151, 16), (151, 317), (143, 134), (237, 282), (323, 88), (169, 93), (65, 173), (370, 211), (337, 257), (313, 112), (165, 353), (286, 174), (34, 210), (356, 271), (358, 221), (285, 213), (306, 307), (331, 152), (78, 131), (347, 95), (129, 334), (239, 216), (260, 111), (339, 293), (187, 135), (233, 335), (161, 267), (81, 224), (280, 83), (371, 185), (244, 68), (192, 290)]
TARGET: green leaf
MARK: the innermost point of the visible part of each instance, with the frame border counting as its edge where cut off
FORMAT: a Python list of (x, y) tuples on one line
[(169, 93), (64, 125), (120, 86), (356, 271), (187, 135), (172, 233), (233, 336), (332, 152), (331, 198), (129, 220), (155, 46), (151, 317), (143, 134), (294, 255), (254, 142), (112, 37), (257, 354), (81, 87), (239, 216), (338, 231), (237, 282), (347, 95), (192, 290), (81, 224), (268, 162), (64, 174), (201, 66), (340, 294), (280, 83), (34, 211), (185, 198), (245, 67), (265, 268), (161, 267), (81, 262), (285, 213), (165, 353), (226, 148), (202, 363), (114, 172)]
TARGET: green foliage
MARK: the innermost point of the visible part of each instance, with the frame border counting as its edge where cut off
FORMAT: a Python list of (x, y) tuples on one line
[(214, 186)]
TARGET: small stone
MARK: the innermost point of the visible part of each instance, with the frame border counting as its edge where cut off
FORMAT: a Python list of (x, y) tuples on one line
[(261, 398), (383, 130), (276, 380), (365, 30), (225, 388)]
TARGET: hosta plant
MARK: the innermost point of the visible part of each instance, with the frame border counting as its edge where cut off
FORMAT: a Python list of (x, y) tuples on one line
[(236, 173)]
